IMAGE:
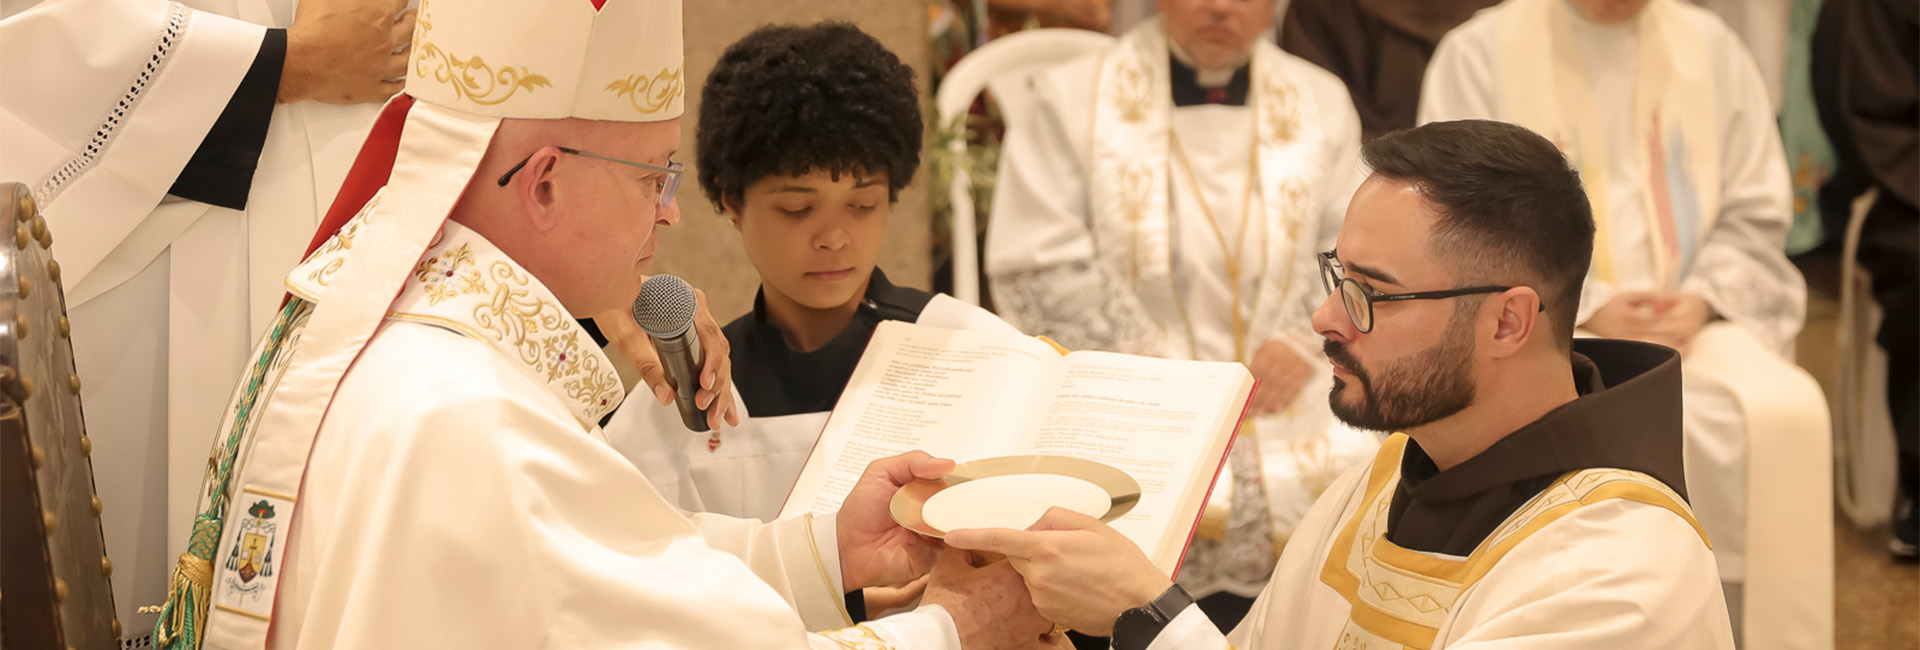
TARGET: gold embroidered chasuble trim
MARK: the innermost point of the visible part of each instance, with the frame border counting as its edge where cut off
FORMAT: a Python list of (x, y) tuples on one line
[(1402, 598), (466, 285), (1132, 158)]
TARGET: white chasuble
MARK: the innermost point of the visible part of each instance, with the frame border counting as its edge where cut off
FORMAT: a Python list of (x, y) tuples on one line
[(1669, 123), (459, 494), (1599, 559)]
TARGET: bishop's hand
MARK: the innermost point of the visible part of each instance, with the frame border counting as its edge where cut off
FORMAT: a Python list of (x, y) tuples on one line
[(875, 550), (989, 604)]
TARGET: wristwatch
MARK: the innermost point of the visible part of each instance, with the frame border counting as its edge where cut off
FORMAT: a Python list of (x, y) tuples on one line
[(1136, 628)]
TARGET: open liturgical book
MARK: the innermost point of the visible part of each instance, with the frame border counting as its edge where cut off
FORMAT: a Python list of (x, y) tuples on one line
[(969, 395)]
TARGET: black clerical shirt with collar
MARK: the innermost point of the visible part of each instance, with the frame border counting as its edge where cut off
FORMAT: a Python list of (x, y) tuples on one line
[(1187, 90), (774, 379)]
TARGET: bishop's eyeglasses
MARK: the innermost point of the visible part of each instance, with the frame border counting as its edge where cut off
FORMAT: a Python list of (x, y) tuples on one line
[(667, 185), (1359, 300)]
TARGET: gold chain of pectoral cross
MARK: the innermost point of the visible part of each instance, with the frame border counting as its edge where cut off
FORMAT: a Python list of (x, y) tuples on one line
[(1229, 249)]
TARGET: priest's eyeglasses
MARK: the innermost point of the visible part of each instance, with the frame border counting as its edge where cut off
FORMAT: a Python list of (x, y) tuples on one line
[(667, 184), (1359, 299)]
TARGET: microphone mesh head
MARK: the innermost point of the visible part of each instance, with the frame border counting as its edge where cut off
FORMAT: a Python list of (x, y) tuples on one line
[(665, 307)]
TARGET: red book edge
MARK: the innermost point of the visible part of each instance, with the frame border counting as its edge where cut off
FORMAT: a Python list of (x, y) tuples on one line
[(1244, 408)]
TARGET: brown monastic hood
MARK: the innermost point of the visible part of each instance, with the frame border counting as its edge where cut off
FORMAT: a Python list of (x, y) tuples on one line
[(1627, 417)]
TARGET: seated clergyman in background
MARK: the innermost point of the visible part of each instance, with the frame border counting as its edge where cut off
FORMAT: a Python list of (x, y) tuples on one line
[(1379, 48), (806, 136), (1665, 114), (1165, 198), (414, 460), (1534, 495)]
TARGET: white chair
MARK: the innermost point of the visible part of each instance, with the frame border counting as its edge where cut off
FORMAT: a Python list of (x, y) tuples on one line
[(1006, 67)]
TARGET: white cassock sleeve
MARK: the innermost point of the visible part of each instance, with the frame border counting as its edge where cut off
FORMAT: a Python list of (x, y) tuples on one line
[(1741, 266), (1041, 260), (104, 104)]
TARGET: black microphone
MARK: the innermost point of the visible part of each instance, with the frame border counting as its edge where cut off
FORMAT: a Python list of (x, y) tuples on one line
[(665, 310)]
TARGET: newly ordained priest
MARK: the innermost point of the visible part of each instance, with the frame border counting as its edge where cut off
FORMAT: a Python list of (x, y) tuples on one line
[(413, 459), (1668, 120), (183, 153), (1534, 495), (1165, 197)]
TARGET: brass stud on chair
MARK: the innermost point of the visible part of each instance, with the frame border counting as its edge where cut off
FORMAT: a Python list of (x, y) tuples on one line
[(73, 383), (59, 590), (26, 287), (25, 208), (21, 236), (20, 325), (42, 234), (46, 518), (106, 569), (116, 628), (53, 270), (39, 457), (86, 446), (26, 388), (66, 328), (97, 507)]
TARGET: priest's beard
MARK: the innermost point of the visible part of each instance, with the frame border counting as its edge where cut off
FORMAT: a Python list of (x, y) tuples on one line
[(1410, 392)]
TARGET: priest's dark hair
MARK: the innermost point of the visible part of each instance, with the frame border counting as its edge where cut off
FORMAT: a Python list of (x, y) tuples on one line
[(1511, 208), (788, 100)]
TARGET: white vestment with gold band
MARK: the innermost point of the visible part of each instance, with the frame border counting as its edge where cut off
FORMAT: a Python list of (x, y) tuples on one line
[(1602, 558)]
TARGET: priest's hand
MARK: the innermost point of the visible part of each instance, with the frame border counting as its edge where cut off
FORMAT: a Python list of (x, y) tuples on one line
[(1662, 317), (1282, 371), (346, 51), (874, 550), (1081, 573), (716, 378), (989, 604)]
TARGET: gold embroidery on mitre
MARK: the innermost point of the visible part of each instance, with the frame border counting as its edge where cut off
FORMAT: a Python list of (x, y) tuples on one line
[(858, 637), (486, 88), (650, 94)]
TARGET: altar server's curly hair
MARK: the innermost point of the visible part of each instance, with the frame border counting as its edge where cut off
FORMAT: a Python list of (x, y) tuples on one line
[(1512, 208), (788, 100)]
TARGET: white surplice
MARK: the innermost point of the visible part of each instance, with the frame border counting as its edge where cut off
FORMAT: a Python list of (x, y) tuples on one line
[(751, 474), (1600, 559), (104, 103), (460, 495), (1670, 123), (1104, 237)]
